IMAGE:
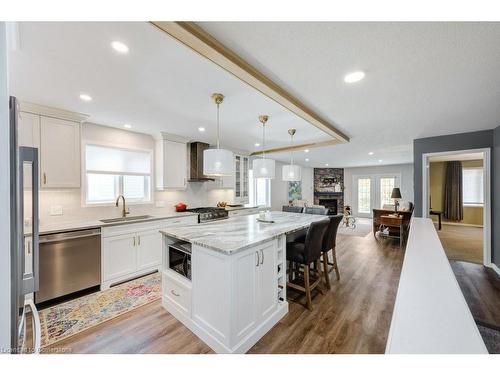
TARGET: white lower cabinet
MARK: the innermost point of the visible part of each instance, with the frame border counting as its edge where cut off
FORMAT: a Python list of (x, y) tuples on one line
[(118, 257), (133, 249)]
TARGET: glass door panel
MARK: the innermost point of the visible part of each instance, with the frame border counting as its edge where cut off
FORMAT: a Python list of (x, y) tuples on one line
[(364, 195), (386, 186)]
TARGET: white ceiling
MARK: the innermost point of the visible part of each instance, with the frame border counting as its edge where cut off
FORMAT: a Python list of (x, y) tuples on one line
[(422, 79), (160, 85)]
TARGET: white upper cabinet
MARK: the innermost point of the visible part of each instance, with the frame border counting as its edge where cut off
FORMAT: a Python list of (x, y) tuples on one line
[(171, 164), (59, 153), (241, 181), (29, 130)]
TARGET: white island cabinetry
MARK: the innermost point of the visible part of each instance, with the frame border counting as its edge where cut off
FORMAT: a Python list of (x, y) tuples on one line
[(232, 299)]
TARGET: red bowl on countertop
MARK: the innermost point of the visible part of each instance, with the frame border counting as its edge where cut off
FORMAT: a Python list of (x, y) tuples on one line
[(180, 207)]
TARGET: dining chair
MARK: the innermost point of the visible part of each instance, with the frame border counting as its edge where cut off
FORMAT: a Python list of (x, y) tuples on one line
[(316, 210), (296, 209), (329, 242), (304, 254)]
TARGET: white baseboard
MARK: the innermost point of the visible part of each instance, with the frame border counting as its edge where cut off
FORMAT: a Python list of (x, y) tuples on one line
[(494, 267), (458, 224)]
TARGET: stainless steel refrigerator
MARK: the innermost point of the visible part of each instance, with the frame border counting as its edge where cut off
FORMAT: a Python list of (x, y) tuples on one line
[(25, 321)]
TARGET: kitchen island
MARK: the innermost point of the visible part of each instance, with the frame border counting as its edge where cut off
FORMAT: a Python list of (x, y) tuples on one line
[(233, 289)]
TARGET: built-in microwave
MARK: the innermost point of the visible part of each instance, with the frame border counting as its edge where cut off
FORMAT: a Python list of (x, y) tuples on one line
[(179, 258)]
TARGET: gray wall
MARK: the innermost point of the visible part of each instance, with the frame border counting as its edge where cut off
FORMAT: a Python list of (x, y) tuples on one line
[(463, 141), (495, 208)]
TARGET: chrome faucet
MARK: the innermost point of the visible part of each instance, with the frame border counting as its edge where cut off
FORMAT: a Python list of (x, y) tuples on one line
[(125, 212)]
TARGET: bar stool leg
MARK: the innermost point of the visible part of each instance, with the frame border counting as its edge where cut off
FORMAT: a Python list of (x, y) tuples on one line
[(325, 270), (307, 286), (335, 264)]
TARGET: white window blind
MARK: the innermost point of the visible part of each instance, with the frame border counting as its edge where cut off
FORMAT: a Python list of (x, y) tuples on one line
[(113, 171), (472, 179)]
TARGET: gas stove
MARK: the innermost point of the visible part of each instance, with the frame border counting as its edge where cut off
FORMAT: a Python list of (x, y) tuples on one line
[(209, 213)]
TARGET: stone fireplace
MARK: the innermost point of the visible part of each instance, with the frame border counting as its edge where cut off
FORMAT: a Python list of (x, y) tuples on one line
[(329, 189)]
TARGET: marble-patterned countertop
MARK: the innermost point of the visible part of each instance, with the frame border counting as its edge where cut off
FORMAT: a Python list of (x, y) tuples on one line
[(87, 224), (241, 232)]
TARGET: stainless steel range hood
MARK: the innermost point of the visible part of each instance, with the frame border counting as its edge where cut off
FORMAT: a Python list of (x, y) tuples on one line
[(196, 162)]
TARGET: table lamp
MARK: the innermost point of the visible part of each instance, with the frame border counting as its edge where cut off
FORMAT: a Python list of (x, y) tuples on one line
[(396, 194)]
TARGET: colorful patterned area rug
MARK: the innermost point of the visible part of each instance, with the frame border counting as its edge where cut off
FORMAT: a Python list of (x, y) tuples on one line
[(69, 318)]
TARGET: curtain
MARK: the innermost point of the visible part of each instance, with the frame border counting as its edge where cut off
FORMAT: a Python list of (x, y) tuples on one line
[(453, 191)]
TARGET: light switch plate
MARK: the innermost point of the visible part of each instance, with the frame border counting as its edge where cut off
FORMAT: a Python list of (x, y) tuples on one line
[(56, 210), (160, 204)]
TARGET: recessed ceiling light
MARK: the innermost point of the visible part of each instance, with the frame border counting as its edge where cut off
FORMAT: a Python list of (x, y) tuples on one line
[(201, 129), (128, 126), (307, 159), (257, 144), (326, 164), (306, 150), (354, 77), (119, 46), (380, 160), (370, 153), (85, 97)]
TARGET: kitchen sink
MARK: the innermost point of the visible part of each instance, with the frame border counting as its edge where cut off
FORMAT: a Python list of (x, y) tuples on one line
[(125, 219)]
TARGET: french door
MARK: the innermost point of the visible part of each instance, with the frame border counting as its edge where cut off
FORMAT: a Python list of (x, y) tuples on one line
[(372, 191)]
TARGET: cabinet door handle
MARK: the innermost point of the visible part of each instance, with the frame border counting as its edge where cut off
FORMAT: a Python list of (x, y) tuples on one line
[(29, 247), (262, 261), (134, 240), (174, 293), (139, 240), (44, 178), (258, 259)]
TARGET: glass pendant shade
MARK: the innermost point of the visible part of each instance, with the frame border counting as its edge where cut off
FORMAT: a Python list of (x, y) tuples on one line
[(263, 168), (218, 162), (291, 172)]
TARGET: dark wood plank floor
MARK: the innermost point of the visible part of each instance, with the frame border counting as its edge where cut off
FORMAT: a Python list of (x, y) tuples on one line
[(353, 317), (481, 288)]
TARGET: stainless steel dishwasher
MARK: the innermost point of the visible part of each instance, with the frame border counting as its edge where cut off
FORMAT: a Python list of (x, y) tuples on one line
[(69, 262)]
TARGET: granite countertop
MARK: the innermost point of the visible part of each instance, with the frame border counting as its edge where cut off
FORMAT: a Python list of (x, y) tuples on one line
[(238, 233), (87, 224)]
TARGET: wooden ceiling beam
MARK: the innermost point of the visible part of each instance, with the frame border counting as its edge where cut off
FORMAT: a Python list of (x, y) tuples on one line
[(301, 147), (193, 36)]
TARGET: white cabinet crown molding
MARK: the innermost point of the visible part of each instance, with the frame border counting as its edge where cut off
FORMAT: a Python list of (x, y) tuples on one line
[(47, 111)]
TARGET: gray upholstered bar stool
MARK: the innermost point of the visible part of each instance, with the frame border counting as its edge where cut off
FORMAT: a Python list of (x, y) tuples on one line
[(329, 242), (304, 254)]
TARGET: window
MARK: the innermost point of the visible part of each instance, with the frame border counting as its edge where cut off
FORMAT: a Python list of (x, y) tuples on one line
[(364, 195), (386, 186), (113, 171), (260, 191), (472, 186)]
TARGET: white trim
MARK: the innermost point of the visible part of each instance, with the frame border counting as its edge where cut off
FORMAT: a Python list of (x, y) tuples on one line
[(486, 186), (494, 267)]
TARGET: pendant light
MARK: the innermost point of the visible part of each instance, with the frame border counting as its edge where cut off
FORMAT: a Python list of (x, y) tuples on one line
[(291, 172), (263, 168), (217, 161)]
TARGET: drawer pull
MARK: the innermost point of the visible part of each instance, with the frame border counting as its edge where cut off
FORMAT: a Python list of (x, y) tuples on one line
[(175, 293)]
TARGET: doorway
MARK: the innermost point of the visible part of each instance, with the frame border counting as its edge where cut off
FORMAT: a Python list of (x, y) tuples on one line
[(456, 191), (373, 191)]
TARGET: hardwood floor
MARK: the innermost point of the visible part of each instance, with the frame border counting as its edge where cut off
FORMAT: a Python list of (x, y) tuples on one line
[(353, 317), (481, 288)]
